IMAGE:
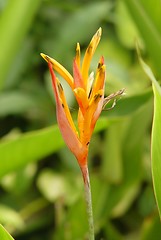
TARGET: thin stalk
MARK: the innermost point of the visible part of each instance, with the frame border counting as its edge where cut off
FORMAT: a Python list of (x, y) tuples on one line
[(88, 200)]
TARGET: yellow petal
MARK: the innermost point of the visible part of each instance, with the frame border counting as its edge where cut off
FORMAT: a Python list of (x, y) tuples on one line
[(81, 97), (99, 80), (94, 101), (65, 106), (89, 54), (87, 126), (80, 120), (77, 57), (60, 69)]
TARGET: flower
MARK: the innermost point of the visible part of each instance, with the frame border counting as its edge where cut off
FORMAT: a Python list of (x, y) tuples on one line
[(89, 93)]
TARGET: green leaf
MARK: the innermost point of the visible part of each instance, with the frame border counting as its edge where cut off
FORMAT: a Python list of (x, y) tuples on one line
[(15, 21), (124, 24), (4, 234), (28, 147), (11, 182), (112, 154), (149, 72), (10, 217), (147, 17), (156, 133), (133, 134), (75, 225), (151, 228), (15, 103), (33, 146), (56, 186), (156, 146)]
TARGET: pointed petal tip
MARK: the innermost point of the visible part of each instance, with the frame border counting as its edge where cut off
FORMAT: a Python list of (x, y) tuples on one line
[(45, 57), (77, 46), (99, 32), (42, 54), (102, 59)]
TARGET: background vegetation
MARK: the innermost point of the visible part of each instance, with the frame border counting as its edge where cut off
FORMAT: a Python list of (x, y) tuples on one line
[(41, 190)]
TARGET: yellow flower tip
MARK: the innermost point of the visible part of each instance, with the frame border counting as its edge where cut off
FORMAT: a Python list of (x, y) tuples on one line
[(89, 53), (78, 55), (99, 32), (48, 59), (95, 40), (45, 57), (59, 68), (77, 47)]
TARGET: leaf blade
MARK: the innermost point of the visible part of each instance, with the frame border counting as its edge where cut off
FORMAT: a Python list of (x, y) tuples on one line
[(4, 234), (148, 28), (33, 146), (156, 133), (156, 147), (23, 13)]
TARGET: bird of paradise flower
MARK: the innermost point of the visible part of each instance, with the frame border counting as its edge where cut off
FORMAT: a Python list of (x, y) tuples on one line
[(89, 94)]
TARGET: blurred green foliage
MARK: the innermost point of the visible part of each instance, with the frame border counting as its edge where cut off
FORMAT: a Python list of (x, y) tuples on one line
[(41, 190)]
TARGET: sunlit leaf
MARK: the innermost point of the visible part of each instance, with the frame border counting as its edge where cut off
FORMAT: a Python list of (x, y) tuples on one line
[(55, 186), (10, 217), (156, 133), (28, 148), (124, 25), (4, 234), (15, 21), (156, 146), (33, 146), (147, 18), (133, 133)]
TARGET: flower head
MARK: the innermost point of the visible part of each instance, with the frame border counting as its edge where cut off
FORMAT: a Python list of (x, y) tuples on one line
[(89, 93)]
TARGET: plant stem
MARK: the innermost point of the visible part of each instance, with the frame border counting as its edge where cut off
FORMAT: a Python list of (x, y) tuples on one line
[(88, 199)]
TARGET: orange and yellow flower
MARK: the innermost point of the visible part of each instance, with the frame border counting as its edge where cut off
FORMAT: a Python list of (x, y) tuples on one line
[(89, 93)]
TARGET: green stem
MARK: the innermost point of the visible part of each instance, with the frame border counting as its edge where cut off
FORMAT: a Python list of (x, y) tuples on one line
[(88, 199)]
